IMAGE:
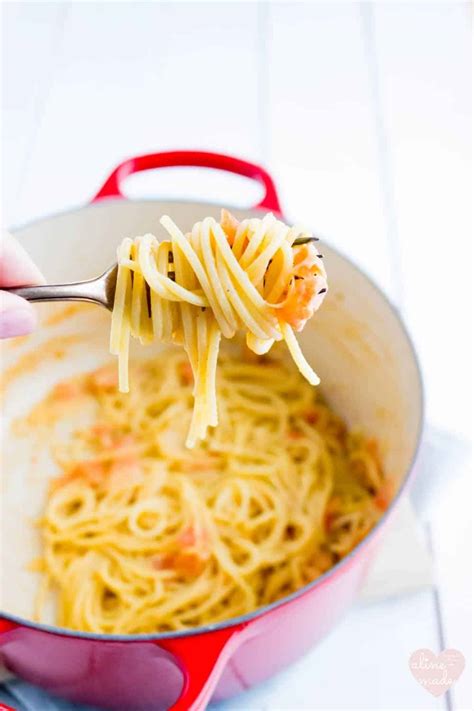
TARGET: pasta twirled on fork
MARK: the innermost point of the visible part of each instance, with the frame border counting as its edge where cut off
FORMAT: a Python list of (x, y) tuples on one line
[(216, 280)]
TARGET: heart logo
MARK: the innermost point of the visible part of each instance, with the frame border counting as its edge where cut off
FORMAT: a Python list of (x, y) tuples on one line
[(437, 673)]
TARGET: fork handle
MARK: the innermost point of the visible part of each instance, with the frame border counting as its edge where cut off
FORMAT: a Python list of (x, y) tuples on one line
[(90, 291)]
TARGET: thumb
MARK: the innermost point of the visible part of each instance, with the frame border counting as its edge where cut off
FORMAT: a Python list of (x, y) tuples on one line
[(16, 266), (17, 316)]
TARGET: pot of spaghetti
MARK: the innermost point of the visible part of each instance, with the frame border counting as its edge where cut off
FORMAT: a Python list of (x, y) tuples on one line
[(187, 526)]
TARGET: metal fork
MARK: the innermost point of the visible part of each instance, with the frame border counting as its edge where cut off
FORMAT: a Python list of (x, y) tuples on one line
[(100, 290)]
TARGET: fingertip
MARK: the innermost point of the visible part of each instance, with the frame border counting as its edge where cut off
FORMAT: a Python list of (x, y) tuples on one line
[(16, 266), (17, 316)]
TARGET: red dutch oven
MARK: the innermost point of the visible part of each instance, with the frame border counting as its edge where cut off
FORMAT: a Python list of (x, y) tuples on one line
[(369, 372)]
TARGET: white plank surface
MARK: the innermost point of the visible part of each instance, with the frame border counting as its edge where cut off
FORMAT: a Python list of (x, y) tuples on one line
[(362, 113), (30, 38), (426, 104), (323, 144), (427, 109), (142, 83)]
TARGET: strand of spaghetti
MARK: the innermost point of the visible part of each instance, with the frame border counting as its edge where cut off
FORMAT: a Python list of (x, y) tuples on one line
[(241, 279), (189, 253), (256, 239), (136, 314), (146, 321), (297, 355), (278, 275), (124, 343), (237, 300), (260, 346), (203, 326), (200, 418), (239, 238), (213, 353), (257, 269), (156, 304), (253, 311), (123, 277), (166, 311), (213, 232), (188, 313), (163, 285), (220, 305)]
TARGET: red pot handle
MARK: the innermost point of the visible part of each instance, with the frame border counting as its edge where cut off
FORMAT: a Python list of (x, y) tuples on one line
[(6, 625), (202, 159), (202, 659)]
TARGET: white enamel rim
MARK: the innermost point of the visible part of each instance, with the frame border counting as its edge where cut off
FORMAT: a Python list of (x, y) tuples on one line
[(340, 566)]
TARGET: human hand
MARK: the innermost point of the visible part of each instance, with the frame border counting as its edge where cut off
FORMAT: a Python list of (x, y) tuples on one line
[(17, 316)]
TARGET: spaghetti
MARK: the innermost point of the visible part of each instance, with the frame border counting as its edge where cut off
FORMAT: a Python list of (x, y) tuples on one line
[(218, 279), (141, 534)]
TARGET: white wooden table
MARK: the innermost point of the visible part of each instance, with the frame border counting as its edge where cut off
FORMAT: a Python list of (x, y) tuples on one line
[(362, 114)]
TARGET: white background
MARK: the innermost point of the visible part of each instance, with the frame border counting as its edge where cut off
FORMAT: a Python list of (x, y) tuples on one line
[(362, 113)]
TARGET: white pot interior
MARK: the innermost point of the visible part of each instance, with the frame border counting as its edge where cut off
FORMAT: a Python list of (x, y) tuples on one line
[(355, 342)]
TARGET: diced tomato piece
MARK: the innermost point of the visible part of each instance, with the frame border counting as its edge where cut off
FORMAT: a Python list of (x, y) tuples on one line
[(373, 449), (189, 563), (104, 434), (67, 390), (127, 464), (294, 434), (328, 520), (124, 441), (108, 438), (384, 495), (194, 536), (330, 514), (188, 537), (91, 471), (104, 378), (125, 471), (186, 563), (186, 373), (191, 555), (311, 417), (324, 560), (201, 465)]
